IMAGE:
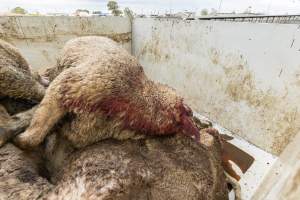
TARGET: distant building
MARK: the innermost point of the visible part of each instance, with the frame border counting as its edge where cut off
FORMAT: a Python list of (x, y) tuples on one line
[(154, 15), (57, 14), (141, 15), (99, 13), (185, 14), (5, 13), (82, 13)]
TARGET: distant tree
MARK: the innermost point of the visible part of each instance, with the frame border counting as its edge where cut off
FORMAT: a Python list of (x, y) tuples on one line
[(204, 12), (19, 10), (128, 12), (114, 8)]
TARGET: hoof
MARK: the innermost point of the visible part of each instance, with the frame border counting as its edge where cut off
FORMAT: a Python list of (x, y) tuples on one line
[(26, 141), (45, 81)]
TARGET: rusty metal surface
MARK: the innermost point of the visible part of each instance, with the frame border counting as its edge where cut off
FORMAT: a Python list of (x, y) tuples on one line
[(282, 19)]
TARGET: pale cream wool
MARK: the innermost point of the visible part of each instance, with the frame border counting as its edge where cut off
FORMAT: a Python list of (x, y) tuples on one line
[(16, 79), (92, 70)]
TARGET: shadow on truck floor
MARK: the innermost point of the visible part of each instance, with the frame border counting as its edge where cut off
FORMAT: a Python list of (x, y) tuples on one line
[(232, 153)]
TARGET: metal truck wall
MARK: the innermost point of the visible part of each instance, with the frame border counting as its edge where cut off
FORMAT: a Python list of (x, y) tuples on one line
[(245, 76), (41, 38)]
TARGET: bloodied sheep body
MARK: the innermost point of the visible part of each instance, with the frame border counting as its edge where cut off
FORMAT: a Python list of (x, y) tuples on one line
[(105, 93)]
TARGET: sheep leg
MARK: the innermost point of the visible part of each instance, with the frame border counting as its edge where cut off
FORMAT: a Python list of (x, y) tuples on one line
[(47, 114), (4, 119), (17, 84), (235, 185), (15, 125)]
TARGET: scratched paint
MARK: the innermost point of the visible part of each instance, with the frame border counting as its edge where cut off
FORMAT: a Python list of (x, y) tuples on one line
[(41, 38), (241, 75)]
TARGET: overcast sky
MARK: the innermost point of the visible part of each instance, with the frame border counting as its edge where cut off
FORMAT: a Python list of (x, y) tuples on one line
[(148, 6)]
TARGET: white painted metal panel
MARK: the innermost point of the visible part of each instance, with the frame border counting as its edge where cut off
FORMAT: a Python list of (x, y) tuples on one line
[(245, 76), (41, 38)]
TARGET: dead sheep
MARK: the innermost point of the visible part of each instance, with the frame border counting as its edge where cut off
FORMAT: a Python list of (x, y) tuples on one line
[(107, 94)]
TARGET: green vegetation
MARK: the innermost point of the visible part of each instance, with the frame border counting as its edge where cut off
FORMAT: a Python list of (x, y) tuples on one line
[(129, 13), (19, 10), (204, 12), (113, 7)]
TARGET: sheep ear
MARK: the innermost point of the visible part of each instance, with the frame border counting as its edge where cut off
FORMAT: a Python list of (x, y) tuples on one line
[(189, 128), (177, 117)]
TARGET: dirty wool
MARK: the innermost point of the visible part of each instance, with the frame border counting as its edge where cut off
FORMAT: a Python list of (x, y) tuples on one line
[(107, 94)]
